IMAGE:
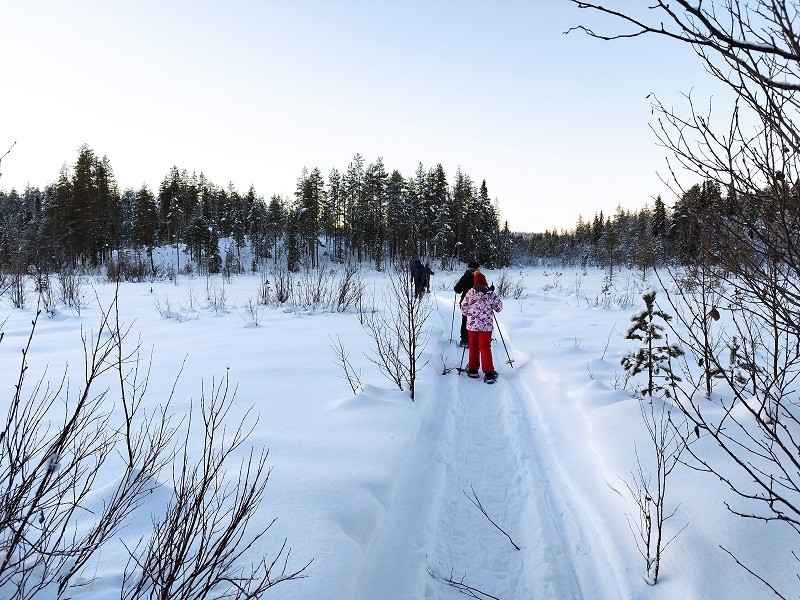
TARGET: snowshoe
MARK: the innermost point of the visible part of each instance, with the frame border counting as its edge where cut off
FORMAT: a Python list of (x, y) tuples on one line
[(490, 377), (473, 373)]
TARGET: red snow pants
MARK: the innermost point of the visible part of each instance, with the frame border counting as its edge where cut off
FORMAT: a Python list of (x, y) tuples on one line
[(480, 345)]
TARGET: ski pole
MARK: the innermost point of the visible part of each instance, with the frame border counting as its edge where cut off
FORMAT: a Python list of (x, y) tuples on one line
[(510, 360), (453, 319), (461, 364)]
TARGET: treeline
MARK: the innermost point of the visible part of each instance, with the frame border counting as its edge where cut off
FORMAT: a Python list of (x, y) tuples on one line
[(650, 237), (364, 213)]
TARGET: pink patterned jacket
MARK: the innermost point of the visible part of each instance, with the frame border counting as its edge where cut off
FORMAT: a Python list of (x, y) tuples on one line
[(478, 305)]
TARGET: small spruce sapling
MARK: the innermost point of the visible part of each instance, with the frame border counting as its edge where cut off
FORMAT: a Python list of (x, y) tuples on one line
[(648, 487), (654, 356)]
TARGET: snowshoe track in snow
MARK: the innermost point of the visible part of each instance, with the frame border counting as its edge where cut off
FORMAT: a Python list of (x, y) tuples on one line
[(484, 443)]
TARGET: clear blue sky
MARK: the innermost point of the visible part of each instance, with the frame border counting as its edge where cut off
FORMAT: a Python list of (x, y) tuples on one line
[(252, 92)]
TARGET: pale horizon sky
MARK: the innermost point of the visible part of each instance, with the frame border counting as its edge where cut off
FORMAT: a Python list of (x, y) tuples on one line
[(253, 92)]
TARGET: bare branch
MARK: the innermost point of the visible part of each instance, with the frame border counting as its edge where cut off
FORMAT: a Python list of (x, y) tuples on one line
[(462, 587), (477, 503)]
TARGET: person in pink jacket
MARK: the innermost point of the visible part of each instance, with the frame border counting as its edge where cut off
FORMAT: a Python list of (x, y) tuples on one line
[(479, 306)]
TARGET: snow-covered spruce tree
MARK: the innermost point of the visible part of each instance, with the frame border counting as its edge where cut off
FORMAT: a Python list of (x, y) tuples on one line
[(648, 487), (144, 225), (652, 358)]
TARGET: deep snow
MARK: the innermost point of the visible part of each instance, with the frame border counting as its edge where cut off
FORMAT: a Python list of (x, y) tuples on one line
[(377, 489)]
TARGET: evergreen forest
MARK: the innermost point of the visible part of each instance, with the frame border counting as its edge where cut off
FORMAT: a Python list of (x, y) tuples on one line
[(363, 213)]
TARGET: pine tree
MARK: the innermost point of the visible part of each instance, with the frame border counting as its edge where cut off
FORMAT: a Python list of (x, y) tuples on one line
[(659, 223), (257, 229), (463, 219), (170, 201), (654, 357), (238, 207), (417, 194), (440, 215), (486, 228), (353, 184), (310, 196), (292, 243), (375, 180), (277, 220), (106, 217), (145, 222), (81, 206), (398, 218), (331, 216), (56, 227), (692, 231), (642, 251)]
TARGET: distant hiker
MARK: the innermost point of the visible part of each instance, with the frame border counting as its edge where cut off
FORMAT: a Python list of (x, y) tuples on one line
[(418, 275), (462, 287), (479, 305), (428, 274)]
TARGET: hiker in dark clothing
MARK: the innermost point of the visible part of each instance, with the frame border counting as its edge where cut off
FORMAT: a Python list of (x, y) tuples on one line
[(419, 276), (428, 274), (462, 287)]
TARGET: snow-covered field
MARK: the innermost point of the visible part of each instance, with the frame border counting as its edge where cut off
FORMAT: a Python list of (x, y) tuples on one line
[(380, 491)]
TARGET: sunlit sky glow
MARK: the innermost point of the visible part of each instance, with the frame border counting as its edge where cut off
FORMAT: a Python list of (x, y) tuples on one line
[(252, 92)]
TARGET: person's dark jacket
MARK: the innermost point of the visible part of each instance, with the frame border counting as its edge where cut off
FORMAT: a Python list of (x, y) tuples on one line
[(418, 271), (465, 283)]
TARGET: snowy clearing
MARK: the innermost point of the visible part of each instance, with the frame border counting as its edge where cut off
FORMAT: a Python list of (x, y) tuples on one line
[(382, 493)]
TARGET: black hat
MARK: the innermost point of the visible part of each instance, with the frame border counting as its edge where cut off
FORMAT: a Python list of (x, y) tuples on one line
[(473, 264)]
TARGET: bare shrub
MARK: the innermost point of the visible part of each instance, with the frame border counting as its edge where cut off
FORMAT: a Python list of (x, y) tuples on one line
[(350, 375), (170, 274), (51, 453), (54, 444), (163, 307), (388, 348), (18, 290), (192, 302), (398, 330), (508, 287), (250, 313), (365, 305), (47, 300), (264, 290), (283, 284), (350, 287), (197, 548), (649, 488), (314, 287), (70, 289), (126, 269), (217, 296), (702, 289)]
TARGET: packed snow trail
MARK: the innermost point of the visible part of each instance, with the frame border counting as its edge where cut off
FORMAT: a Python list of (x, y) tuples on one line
[(486, 464), (482, 444)]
